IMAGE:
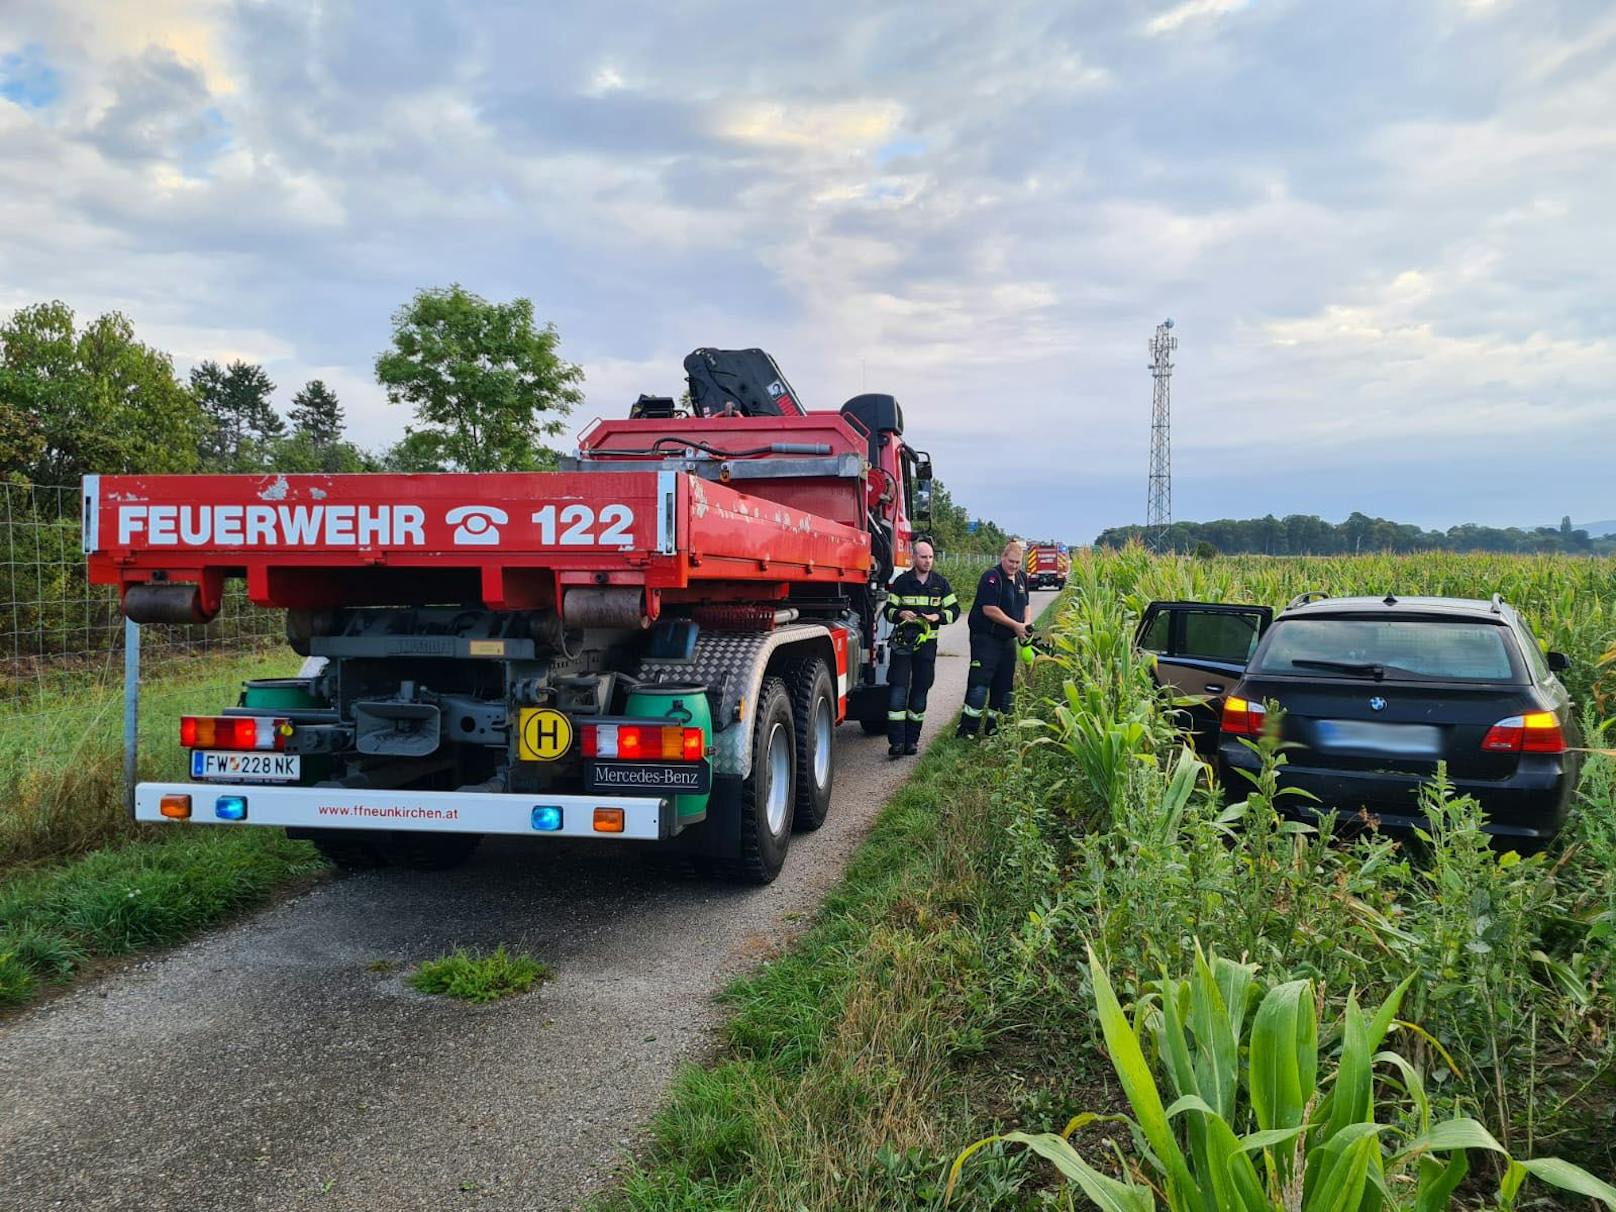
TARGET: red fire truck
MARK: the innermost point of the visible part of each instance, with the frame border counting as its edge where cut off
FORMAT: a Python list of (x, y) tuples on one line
[(654, 643), (1047, 565)]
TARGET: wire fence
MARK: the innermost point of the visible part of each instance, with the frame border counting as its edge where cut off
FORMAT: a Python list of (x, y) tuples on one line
[(62, 637)]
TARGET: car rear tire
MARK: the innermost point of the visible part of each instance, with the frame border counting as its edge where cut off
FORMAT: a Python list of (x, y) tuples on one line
[(766, 794), (813, 715)]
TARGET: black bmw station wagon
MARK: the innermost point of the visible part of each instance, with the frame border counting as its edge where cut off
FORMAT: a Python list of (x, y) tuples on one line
[(1374, 693)]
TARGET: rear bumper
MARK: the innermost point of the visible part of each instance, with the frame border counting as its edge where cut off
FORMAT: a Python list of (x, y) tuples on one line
[(644, 818), (1530, 806)]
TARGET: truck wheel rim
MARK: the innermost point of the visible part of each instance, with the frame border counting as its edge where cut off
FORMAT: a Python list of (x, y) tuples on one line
[(822, 743), (779, 777)]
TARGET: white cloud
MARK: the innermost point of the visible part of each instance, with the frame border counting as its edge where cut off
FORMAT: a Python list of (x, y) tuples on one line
[(834, 128), (1190, 12), (607, 79), (985, 211)]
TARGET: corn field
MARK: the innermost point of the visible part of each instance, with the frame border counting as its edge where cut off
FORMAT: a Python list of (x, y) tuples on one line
[(1570, 602), (1123, 841)]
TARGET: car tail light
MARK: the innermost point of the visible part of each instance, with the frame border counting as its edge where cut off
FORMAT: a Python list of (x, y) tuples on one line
[(1534, 732), (644, 742), (233, 732), (1242, 718)]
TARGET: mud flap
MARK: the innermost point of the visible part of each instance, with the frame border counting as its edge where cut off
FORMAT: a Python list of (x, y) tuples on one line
[(719, 836)]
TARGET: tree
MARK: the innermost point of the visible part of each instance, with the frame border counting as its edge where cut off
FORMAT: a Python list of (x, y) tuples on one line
[(486, 384), (73, 402), (244, 423), (317, 414)]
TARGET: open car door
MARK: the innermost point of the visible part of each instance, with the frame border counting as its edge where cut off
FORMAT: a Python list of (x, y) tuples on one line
[(1201, 650)]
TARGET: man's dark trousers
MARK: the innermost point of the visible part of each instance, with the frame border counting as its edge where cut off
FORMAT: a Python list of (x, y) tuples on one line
[(989, 684), (909, 675)]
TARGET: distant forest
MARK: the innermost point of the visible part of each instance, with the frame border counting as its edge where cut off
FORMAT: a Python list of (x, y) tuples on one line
[(1304, 534)]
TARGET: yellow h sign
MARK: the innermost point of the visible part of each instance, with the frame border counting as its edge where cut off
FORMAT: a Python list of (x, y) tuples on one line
[(542, 734)]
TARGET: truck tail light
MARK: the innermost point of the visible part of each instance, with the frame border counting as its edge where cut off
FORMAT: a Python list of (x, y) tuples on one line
[(644, 742), (1534, 732), (175, 807), (1242, 717), (233, 732)]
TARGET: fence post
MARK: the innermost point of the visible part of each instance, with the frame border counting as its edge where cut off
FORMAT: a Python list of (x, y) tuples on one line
[(131, 710)]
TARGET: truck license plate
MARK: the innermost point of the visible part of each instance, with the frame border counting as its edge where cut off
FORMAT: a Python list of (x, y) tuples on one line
[(246, 767), (657, 778)]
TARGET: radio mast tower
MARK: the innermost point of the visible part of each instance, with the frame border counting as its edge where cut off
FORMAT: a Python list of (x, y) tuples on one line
[(1159, 502)]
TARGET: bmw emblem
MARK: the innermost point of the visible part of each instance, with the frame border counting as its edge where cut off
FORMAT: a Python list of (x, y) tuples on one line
[(1377, 704)]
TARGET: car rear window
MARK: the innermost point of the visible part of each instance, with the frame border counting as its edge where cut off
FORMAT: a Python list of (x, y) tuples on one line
[(1405, 648)]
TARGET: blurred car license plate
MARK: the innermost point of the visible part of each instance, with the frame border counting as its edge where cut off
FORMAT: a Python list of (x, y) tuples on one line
[(1402, 739), (246, 767)]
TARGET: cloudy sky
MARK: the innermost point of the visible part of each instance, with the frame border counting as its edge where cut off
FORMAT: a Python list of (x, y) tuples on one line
[(1386, 230)]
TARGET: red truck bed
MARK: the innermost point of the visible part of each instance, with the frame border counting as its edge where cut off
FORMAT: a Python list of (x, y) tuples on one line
[(510, 540)]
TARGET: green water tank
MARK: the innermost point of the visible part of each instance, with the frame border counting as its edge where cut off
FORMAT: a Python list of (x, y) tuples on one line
[(278, 692), (684, 705), (284, 694)]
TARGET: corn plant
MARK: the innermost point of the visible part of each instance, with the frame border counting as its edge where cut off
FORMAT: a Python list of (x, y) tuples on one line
[(1269, 1134)]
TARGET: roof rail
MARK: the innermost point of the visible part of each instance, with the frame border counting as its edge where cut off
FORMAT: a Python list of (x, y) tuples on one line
[(1498, 603), (1302, 599)]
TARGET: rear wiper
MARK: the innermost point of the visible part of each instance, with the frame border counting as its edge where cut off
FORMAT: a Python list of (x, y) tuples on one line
[(1363, 669)]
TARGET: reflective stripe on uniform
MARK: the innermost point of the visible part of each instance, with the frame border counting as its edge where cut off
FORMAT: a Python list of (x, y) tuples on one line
[(917, 716), (897, 715), (973, 712)]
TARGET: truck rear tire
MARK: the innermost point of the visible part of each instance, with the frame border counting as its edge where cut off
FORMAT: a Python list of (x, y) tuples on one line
[(368, 849), (766, 798), (430, 851), (346, 849), (813, 714)]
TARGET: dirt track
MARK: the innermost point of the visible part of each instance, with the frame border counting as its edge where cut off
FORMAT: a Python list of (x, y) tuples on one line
[(271, 1065)]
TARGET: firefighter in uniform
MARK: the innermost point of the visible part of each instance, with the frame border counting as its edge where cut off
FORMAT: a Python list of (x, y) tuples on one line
[(918, 602), (1001, 615)]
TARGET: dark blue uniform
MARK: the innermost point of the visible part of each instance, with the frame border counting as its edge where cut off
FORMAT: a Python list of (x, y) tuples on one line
[(910, 673), (992, 678)]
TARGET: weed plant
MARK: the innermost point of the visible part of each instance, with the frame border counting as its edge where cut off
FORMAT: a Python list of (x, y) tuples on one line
[(479, 978)]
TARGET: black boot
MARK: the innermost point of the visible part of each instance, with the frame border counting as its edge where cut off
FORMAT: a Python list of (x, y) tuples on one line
[(894, 750), (911, 740)]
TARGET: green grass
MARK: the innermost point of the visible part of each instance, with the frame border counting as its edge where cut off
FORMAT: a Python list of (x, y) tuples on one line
[(53, 922), (79, 880), (61, 758), (838, 1087), (479, 978)]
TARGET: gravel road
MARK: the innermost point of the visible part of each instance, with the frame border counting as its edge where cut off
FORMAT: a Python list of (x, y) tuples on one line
[(282, 1063)]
